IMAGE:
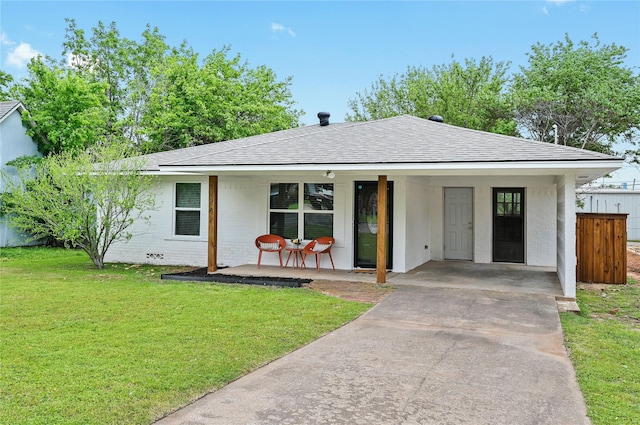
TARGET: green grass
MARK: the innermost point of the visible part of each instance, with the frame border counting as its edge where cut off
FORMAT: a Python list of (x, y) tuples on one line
[(120, 346), (604, 345)]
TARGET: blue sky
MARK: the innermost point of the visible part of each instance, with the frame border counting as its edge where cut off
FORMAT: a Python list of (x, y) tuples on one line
[(332, 49)]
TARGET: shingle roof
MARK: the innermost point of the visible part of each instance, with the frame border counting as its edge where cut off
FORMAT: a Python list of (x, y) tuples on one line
[(7, 107), (398, 140)]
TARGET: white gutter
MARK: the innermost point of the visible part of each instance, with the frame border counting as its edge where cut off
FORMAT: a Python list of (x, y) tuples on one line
[(376, 167)]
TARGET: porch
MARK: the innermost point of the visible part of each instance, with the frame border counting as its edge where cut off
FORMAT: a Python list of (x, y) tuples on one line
[(442, 274)]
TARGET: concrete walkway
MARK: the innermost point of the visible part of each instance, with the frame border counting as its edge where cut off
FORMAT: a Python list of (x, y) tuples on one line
[(424, 355)]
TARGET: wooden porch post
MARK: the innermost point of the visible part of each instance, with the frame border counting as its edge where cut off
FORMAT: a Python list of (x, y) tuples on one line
[(212, 238), (381, 259)]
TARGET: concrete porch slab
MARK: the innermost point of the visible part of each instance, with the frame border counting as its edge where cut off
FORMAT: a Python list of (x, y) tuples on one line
[(435, 274), (309, 273)]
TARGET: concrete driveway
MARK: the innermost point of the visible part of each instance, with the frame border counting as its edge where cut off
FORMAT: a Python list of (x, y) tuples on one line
[(424, 355)]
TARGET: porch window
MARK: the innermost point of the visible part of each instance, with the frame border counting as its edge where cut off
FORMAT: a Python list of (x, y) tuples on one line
[(306, 213), (187, 209)]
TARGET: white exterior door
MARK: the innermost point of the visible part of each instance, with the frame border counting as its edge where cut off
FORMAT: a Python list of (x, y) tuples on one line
[(458, 223)]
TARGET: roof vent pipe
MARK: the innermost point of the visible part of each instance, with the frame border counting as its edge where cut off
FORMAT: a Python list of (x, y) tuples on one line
[(324, 118), (436, 118)]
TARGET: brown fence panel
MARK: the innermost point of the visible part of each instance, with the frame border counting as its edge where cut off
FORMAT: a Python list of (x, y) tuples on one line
[(601, 248)]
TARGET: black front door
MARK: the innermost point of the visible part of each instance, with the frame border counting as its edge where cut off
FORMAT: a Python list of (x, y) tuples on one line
[(508, 225), (366, 223)]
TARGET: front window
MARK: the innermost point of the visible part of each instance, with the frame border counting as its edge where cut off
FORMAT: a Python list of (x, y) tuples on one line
[(306, 213), (187, 209)]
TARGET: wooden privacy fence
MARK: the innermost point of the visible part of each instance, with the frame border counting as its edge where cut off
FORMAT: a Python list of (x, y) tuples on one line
[(601, 248)]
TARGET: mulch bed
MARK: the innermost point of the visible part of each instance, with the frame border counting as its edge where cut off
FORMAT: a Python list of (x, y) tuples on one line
[(201, 275), (352, 291)]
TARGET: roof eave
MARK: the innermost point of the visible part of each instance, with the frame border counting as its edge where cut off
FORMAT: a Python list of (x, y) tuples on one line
[(611, 164), (18, 107)]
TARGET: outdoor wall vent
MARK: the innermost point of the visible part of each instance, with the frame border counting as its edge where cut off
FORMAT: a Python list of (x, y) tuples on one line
[(324, 118), (436, 118)]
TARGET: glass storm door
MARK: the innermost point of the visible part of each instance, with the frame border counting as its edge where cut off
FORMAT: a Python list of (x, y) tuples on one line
[(508, 225), (366, 223)]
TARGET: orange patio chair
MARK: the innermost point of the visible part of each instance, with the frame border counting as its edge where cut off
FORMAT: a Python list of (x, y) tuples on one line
[(270, 243), (318, 247)]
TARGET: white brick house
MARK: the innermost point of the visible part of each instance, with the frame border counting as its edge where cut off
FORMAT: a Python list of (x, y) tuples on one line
[(453, 194)]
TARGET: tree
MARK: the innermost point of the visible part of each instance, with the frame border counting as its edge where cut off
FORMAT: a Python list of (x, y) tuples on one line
[(65, 109), (123, 66), (78, 201), (468, 95), (584, 90), (222, 99), (6, 82), (161, 98)]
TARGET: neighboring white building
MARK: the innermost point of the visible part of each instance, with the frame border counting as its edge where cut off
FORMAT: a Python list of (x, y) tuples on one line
[(14, 143), (454, 194), (603, 200)]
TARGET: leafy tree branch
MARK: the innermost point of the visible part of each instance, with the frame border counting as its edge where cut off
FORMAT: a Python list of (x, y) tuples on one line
[(86, 199)]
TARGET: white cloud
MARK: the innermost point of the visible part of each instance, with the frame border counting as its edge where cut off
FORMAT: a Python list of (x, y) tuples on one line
[(560, 3), (4, 40), (21, 54), (281, 28)]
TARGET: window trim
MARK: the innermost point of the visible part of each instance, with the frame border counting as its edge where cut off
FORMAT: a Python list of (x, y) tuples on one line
[(175, 209), (300, 211)]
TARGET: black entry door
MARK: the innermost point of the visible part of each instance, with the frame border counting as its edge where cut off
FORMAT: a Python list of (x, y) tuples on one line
[(366, 223), (508, 225)]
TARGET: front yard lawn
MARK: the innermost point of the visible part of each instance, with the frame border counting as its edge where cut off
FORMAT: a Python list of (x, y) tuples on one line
[(604, 345), (119, 346)]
